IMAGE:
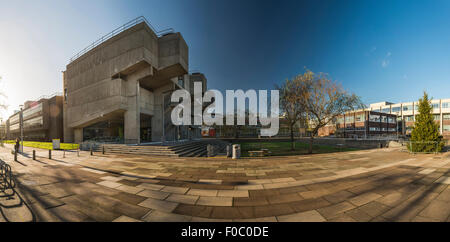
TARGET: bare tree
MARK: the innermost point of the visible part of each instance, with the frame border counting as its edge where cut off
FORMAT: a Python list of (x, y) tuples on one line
[(291, 92), (324, 101)]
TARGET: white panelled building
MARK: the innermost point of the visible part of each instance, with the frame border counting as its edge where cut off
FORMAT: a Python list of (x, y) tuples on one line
[(407, 111)]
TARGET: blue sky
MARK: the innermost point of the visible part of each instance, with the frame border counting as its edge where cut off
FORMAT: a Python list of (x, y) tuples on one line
[(381, 50)]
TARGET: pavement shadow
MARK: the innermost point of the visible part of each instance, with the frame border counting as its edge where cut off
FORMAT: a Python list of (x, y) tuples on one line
[(12, 203)]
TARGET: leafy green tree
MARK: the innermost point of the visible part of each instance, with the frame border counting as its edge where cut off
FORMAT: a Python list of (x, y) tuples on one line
[(425, 135)]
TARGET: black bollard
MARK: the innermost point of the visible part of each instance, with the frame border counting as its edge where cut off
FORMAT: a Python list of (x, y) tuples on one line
[(15, 155), (50, 154), (103, 150), (92, 153), (34, 155)]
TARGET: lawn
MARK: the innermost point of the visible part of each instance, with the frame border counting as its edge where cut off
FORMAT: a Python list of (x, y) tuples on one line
[(44, 145), (278, 148)]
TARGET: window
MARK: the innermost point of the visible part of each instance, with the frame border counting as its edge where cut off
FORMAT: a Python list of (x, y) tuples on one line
[(391, 130), (391, 120), (446, 116), (360, 117), (386, 110), (436, 117), (446, 127), (374, 118), (14, 127), (435, 105), (181, 81), (32, 111), (396, 109), (35, 122), (65, 94), (416, 107), (445, 105), (407, 108), (374, 129), (340, 120), (409, 118), (349, 119)]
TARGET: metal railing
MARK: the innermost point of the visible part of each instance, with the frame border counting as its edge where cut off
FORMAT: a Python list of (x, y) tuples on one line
[(119, 30)]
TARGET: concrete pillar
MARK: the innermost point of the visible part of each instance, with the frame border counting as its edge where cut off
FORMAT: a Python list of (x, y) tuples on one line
[(132, 117), (78, 135)]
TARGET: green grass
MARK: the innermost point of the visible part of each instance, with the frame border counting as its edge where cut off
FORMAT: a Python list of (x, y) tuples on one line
[(278, 148), (44, 145)]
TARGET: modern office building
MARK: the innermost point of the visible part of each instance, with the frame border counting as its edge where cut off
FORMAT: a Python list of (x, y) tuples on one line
[(362, 123), (119, 88), (406, 113), (42, 120)]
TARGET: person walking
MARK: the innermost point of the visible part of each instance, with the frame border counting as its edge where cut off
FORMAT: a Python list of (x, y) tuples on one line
[(17, 145)]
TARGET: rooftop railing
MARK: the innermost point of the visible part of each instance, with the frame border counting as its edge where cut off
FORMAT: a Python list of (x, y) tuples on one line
[(119, 30)]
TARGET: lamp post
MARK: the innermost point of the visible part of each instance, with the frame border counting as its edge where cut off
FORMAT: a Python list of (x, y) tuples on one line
[(21, 128)]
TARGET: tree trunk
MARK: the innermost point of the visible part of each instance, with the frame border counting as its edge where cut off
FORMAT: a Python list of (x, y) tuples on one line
[(311, 140), (292, 138)]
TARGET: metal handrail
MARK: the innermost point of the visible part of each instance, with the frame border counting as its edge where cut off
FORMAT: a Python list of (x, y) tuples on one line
[(117, 31)]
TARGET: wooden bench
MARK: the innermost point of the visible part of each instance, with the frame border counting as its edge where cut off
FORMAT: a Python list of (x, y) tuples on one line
[(259, 153), (256, 153)]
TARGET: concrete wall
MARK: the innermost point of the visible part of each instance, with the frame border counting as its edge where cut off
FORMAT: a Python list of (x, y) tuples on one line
[(123, 76)]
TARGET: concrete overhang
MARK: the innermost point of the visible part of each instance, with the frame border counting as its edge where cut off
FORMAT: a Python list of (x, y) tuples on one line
[(98, 117), (162, 77), (139, 65)]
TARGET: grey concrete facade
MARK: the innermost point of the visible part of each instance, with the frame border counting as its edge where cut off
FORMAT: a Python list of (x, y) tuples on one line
[(120, 87)]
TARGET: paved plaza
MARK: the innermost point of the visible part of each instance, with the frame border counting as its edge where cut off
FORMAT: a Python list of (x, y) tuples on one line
[(369, 185)]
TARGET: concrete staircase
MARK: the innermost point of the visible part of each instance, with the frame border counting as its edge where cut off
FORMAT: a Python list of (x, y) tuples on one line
[(191, 149)]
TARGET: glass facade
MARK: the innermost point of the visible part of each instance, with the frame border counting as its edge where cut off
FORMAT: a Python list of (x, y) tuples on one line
[(396, 109), (374, 118), (407, 108)]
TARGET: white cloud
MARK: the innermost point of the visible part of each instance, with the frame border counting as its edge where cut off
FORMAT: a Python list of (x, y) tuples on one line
[(388, 54)]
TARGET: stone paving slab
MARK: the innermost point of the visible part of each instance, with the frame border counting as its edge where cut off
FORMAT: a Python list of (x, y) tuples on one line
[(371, 185)]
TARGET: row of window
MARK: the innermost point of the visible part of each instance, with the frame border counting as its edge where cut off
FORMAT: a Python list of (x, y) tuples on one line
[(31, 111), (381, 129), (436, 117), (384, 119), (34, 122), (410, 107)]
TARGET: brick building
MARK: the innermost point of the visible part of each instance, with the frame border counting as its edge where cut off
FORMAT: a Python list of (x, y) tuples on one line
[(362, 123)]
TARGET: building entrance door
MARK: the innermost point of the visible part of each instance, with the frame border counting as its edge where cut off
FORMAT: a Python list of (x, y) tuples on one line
[(146, 128)]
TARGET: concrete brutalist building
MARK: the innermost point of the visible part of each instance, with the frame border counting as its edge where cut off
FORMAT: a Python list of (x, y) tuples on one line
[(119, 88)]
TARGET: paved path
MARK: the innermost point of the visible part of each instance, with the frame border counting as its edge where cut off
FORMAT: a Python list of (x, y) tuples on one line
[(372, 185)]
